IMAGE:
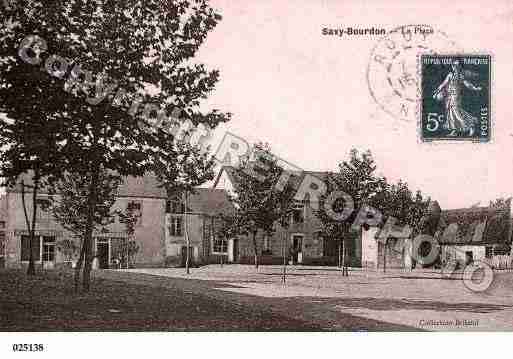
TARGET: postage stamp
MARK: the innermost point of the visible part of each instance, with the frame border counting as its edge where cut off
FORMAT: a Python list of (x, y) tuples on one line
[(455, 98), (392, 72)]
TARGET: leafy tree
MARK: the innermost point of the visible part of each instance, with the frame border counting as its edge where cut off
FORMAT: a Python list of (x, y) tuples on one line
[(180, 172), (30, 138), (112, 118), (69, 248), (259, 206), (70, 207), (226, 226), (30, 177), (357, 179), (128, 248), (500, 203), (29, 143), (398, 202), (505, 203)]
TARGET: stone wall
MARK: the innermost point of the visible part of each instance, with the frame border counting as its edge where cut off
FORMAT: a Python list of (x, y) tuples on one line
[(312, 249), (175, 244)]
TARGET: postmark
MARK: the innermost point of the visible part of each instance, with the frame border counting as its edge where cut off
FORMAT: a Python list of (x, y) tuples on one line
[(392, 75), (455, 97)]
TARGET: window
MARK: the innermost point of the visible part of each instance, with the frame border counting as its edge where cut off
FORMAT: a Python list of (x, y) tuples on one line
[(469, 257), (175, 227), (298, 212), (43, 205), (330, 247), (3, 244), (220, 245), (489, 252), (48, 249), (2, 224), (43, 202), (266, 248), (136, 208), (175, 206), (297, 242), (25, 248)]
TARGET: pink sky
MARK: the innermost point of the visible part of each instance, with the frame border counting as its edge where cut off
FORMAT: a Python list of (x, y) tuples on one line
[(307, 94)]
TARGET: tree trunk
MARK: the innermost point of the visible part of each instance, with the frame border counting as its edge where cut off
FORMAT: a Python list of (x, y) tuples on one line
[(284, 251), (187, 242), (27, 222), (340, 254), (345, 271), (78, 267), (343, 257), (255, 249), (31, 270), (88, 238), (385, 256)]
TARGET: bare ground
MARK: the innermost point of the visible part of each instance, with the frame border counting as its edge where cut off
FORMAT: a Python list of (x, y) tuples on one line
[(121, 301)]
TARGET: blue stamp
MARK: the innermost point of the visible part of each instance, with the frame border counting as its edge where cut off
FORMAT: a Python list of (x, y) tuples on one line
[(455, 97)]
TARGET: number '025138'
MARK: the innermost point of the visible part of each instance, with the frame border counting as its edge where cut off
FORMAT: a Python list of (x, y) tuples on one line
[(28, 347)]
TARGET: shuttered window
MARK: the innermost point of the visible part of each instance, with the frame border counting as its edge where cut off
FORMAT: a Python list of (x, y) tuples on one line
[(25, 248)]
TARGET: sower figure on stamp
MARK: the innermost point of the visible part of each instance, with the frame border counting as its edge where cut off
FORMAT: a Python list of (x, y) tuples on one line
[(450, 90)]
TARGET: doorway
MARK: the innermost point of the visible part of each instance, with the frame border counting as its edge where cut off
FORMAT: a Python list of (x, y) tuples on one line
[(102, 252), (235, 250), (469, 257), (184, 256), (297, 248)]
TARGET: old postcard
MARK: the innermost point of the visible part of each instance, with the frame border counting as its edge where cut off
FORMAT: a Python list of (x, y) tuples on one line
[(254, 166)]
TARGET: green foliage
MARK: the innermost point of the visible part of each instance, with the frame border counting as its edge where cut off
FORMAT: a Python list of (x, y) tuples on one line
[(357, 178), (130, 45), (500, 203), (129, 218), (228, 225), (259, 205), (70, 205), (90, 122), (125, 249), (398, 201), (186, 168), (68, 247)]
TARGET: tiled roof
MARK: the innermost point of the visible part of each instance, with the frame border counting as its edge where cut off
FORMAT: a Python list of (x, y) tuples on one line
[(146, 186), (205, 200), (210, 202), (477, 225), (295, 180)]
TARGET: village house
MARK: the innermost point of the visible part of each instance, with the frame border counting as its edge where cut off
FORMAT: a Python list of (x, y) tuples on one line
[(159, 232), (398, 250), (302, 241), (475, 234), (467, 235), (203, 208), (463, 235)]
